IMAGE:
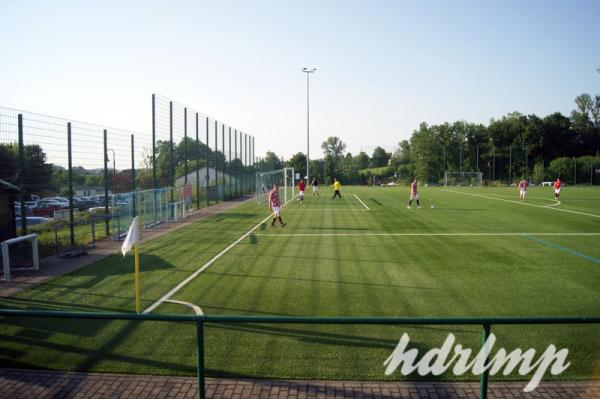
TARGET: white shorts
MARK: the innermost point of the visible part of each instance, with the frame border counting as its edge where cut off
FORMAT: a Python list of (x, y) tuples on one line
[(414, 197), (277, 210), (301, 194), (557, 191), (315, 189), (523, 192)]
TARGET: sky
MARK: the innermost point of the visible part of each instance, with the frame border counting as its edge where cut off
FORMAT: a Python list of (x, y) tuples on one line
[(383, 67)]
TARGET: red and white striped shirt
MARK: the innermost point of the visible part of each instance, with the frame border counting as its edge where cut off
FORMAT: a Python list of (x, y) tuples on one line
[(274, 198)]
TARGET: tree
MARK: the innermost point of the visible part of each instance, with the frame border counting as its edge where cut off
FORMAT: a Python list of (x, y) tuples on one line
[(37, 174), (298, 162), (361, 161), (380, 158), (334, 147)]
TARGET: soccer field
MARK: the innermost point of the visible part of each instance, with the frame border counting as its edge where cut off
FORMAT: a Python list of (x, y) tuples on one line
[(477, 252)]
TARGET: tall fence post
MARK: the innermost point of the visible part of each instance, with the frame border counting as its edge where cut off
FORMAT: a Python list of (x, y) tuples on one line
[(133, 198), (197, 165), (171, 157), (216, 162), (591, 171), (236, 158), (154, 143), (70, 184), (22, 176), (510, 165), (106, 181), (200, 355), (229, 167), (185, 169), (223, 166), (483, 386), (207, 167)]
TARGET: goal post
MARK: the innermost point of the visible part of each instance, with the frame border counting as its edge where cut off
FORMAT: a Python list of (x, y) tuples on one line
[(284, 178), (469, 179)]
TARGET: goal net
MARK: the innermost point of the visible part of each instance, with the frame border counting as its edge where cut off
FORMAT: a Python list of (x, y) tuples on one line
[(463, 179), (284, 178)]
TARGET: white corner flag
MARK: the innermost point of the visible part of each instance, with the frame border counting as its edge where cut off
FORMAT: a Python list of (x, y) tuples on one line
[(132, 237)]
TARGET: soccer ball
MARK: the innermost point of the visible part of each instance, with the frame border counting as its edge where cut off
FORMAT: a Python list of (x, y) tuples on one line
[(433, 206)]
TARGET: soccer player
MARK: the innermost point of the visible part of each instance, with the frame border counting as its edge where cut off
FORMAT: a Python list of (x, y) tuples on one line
[(414, 195), (315, 186), (336, 188), (557, 187), (302, 189), (275, 205), (523, 184)]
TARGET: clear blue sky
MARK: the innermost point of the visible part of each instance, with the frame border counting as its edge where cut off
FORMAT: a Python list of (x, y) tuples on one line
[(383, 66)]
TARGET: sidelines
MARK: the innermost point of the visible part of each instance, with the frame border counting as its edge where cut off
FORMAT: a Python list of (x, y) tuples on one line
[(524, 203), (510, 234), (363, 204), (564, 249), (197, 309), (551, 205), (206, 265)]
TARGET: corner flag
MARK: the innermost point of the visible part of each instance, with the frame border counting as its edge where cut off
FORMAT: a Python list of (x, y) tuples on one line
[(132, 241)]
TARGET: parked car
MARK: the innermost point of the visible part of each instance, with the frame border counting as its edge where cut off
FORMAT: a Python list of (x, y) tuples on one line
[(46, 208), (64, 202)]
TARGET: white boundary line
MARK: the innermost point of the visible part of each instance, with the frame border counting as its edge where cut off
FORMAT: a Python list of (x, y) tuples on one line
[(299, 208), (363, 204), (551, 205), (206, 265), (513, 234), (525, 203), (197, 309)]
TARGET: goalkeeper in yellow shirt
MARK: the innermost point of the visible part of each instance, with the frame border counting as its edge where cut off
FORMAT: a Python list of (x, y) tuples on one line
[(336, 188)]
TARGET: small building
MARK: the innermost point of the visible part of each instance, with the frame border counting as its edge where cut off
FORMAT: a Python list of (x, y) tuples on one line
[(9, 194)]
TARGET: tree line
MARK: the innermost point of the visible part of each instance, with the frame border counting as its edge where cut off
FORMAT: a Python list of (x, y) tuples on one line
[(506, 149)]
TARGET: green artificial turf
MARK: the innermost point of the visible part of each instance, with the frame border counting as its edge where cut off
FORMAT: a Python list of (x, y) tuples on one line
[(478, 252)]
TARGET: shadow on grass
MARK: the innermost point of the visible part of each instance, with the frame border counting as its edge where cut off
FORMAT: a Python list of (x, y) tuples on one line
[(375, 201)]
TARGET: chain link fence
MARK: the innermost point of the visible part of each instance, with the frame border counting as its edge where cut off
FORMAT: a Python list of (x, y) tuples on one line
[(75, 183)]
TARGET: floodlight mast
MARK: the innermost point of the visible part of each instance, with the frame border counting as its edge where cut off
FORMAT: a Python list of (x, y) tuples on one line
[(308, 71)]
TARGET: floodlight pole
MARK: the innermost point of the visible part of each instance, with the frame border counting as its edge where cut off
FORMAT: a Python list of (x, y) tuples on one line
[(308, 71)]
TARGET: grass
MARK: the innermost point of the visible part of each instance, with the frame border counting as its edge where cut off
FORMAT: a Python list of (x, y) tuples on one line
[(477, 253)]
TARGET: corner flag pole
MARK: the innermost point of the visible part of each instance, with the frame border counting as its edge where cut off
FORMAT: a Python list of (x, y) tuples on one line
[(138, 300)]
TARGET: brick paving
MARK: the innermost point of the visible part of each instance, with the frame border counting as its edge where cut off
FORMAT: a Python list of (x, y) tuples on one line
[(36, 384)]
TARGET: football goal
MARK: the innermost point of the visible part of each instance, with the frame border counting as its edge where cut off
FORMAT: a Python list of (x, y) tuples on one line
[(284, 178), (463, 179)]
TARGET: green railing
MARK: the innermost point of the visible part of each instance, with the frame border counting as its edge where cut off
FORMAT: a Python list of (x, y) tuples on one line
[(200, 320)]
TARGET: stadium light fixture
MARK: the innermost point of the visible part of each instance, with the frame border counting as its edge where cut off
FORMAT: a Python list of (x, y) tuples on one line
[(308, 71)]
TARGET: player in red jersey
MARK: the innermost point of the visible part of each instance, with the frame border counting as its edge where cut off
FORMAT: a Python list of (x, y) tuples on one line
[(557, 187), (302, 190), (523, 184), (275, 205), (414, 195)]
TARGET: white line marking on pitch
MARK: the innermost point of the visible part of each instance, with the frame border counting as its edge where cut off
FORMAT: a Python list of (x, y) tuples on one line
[(299, 208), (206, 265), (197, 309), (423, 234), (551, 205), (525, 203), (363, 204)]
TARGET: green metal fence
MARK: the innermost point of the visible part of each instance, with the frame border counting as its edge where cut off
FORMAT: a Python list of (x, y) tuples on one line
[(200, 320)]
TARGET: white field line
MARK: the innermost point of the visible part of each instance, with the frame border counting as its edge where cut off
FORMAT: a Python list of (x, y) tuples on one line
[(197, 309), (551, 205), (206, 265), (513, 234), (525, 203), (363, 204)]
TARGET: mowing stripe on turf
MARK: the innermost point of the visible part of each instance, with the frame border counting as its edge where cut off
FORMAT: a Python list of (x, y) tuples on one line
[(363, 204), (207, 265), (327, 209), (561, 248), (424, 234), (525, 203)]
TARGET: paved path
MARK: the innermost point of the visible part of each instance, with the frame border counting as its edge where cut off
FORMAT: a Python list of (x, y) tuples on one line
[(33, 384)]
